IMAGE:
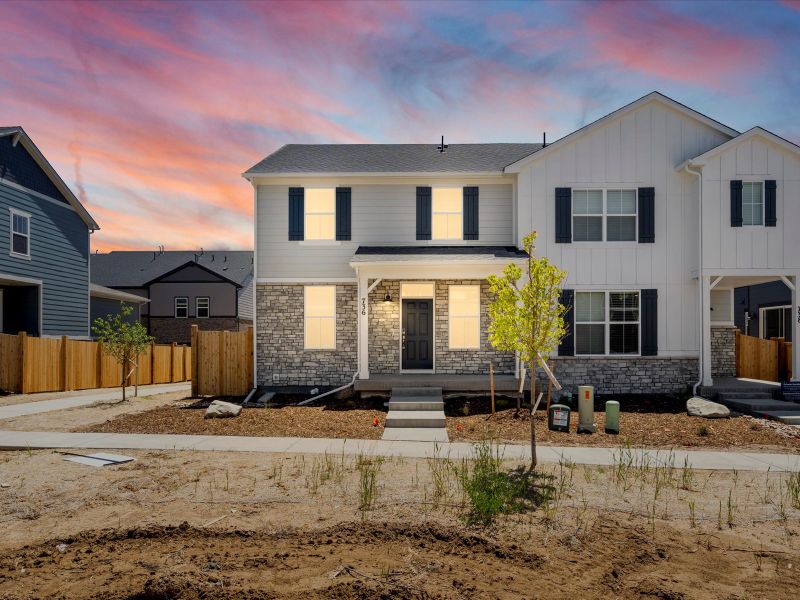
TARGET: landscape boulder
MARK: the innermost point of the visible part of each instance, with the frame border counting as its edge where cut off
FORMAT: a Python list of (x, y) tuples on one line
[(221, 410), (700, 407)]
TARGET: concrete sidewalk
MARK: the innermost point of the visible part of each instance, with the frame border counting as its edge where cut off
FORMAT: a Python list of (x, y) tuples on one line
[(697, 459), (11, 411)]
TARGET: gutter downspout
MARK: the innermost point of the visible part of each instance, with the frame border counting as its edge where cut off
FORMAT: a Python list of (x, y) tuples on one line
[(339, 389), (699, 175)]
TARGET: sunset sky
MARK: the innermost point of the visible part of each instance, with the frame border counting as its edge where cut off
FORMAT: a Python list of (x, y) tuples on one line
[(151, 111)]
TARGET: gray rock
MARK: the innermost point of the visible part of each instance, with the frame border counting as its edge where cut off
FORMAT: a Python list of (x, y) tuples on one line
[(700, 407), (221, 410)]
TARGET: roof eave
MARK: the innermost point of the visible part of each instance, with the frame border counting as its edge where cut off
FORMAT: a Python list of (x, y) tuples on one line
[(411, 174)]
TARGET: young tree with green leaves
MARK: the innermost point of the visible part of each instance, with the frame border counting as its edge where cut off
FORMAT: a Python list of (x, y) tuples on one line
[(124, 339), (526, 315)]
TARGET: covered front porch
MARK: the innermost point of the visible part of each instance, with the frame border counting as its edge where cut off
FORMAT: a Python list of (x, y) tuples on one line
[(448, 383), (719, 332)]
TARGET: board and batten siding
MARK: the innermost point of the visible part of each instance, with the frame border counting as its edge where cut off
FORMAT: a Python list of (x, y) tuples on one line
[(640, 149), (751, 247), (59, 258), (383, 214)]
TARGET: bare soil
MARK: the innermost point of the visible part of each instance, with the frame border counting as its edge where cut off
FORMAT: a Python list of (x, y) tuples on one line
[(231, 525)]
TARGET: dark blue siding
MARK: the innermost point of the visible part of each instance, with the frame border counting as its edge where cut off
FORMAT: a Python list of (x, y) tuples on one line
[(59, 257), (751, 299), (102, 307), (17, 166)]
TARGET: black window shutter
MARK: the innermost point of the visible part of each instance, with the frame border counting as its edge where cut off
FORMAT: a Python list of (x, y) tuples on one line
[(647, 215), (736, 203), (567, 345), (343, 213), (649, 322), (563, 215), (471, 229), (296, 213), (423, 213), (770, 208)]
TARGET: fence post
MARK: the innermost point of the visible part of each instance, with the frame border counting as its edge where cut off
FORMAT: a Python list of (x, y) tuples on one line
[(99, 363), (195, 352), (172, 362), (152, 362), (223, 357), (250, 355), (65, 364), (23, 342)]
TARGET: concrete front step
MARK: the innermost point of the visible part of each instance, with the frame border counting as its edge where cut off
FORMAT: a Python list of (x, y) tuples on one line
[(415, 434), (416, 392), (415, 418), (415, 403), (784, 416), (759, 405), (745, 395)]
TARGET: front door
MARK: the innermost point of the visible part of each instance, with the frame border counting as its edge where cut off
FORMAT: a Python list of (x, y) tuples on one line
[(417, 334)]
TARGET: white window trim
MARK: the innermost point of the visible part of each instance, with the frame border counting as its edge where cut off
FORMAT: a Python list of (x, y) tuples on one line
[(604, 216), (460, 213), (607, 324), (450, 317), (197, 306), (175, 306), (761, 314), (763, 202), (335, 339), (12, 213), (306, 212)]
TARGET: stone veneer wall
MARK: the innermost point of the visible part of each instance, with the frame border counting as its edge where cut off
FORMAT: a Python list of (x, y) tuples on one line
[(384, 333), (723, 351), (281, 359), (633, 375)]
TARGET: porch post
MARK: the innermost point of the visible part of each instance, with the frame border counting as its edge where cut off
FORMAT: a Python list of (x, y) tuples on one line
[(705, 325), (795, 325), (363, 327)]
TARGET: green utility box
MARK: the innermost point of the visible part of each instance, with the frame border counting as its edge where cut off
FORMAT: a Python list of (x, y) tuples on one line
[(558, 417), (612, 416)]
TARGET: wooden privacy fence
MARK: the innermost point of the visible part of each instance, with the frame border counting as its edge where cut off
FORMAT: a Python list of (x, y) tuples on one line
[(31, 364), (222, 362), (769, 360)]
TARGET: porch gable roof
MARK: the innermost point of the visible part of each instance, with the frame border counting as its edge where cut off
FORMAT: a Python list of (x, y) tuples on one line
[(436, 254)]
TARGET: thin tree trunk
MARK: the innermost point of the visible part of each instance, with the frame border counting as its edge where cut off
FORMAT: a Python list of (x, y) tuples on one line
[(533, 415), (124, 376)]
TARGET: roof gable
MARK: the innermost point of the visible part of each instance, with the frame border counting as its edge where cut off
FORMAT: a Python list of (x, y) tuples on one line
[(652, 97), (190, 271), (755, 132)]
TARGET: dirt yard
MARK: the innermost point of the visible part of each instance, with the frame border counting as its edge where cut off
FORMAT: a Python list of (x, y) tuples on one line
[(184, 525)]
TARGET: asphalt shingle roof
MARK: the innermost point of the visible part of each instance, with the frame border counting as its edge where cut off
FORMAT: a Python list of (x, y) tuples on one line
[(135, 268), (391, 158)]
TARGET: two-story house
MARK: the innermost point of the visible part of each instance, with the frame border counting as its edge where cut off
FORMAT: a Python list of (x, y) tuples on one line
[(44, 244), (212, 289), (371, 260)]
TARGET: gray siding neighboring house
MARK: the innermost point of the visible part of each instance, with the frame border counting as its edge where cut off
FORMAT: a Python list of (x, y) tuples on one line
[(211, 289), (44, 244), (107, 302)]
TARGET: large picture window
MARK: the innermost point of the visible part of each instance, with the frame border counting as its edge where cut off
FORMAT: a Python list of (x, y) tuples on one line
[(599, 215), (320, 214), (447, 209), (320, 317), (752, 203), (607, 322), (20, 234), (465, 316)]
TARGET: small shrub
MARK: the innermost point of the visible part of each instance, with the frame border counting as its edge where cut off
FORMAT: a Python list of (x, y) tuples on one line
[(368, 470), (793, 487), (703, 431)]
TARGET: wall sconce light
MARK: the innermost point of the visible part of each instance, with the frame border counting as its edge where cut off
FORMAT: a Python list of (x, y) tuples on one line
[(387, 298)]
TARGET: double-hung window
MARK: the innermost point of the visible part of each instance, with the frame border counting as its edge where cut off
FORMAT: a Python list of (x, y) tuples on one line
[(202, 307), (181, 307), (607, 322), (320, 213), (320, 317), (752, 203), (465, 317), (447, 209), (20, 234), (599, 215)]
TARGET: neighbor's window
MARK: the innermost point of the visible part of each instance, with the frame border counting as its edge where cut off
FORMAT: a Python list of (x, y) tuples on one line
[(320, 217), (181, 308), (320, 317), (465, 316), (752, 203), (202, 307), (20, 233), (607, 323), (447, 209), (599, 215)]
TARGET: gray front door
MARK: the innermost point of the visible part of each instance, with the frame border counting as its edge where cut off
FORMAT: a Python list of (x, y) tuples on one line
[(417, 334)]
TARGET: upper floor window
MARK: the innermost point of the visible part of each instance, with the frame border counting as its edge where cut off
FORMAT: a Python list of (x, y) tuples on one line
[(599, 215), (320, 317), (447, 210), (202, 307), (320, 214), (20, 234), (181, 307), (752, 203), (606, 322)]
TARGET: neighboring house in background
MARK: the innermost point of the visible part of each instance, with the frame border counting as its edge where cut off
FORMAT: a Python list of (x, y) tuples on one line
[(106, 301), (212, 289), (764, 310), (44, 244), (372, 259)]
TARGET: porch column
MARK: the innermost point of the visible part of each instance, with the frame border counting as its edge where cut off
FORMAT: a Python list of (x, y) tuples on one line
[(795, 325), (363, 327), (705, 328)]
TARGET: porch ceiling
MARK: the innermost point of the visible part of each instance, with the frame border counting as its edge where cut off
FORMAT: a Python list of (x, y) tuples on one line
[(736, 281)]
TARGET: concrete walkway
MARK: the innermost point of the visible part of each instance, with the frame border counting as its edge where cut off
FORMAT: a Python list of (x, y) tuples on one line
[(697, 459), (90, 397)]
